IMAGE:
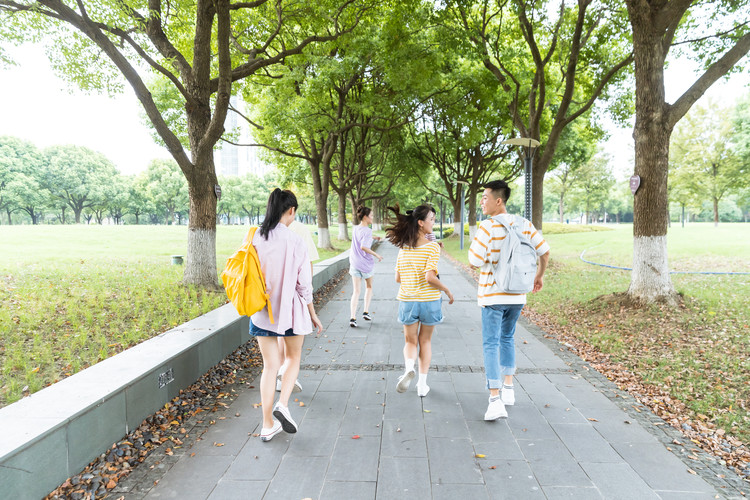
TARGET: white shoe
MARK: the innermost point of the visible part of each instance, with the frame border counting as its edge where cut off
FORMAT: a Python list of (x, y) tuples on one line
[(268, 434), (297, 386), (495, 410), (508, 396), (422, 390), (405, 380), (287, 422)]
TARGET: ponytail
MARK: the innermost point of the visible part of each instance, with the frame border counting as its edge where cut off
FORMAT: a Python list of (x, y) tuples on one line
[(405, 229), (278, 202), (363, 212)]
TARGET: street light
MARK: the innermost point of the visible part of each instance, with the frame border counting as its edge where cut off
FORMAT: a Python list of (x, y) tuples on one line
[(529, 145)]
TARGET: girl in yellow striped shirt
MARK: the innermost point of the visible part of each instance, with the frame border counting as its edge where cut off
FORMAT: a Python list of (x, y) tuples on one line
[(419, 294)]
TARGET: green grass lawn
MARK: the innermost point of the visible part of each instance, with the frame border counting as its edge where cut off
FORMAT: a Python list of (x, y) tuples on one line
[(73, 295), (699, 352)]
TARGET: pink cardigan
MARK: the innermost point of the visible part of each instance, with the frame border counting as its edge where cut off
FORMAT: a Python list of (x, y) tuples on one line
[(286, 268)]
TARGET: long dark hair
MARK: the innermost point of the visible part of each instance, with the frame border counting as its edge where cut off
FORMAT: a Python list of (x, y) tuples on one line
[(405, 229), (278, 203)]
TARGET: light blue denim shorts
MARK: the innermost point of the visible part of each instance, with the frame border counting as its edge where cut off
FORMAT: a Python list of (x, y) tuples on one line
[(359, 274), (428, 313)]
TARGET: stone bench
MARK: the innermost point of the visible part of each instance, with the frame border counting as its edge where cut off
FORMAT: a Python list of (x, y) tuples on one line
[(54, 433)]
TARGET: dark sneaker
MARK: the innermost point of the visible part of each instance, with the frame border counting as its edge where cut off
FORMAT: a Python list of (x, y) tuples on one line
[(367, 316), (353, 323)]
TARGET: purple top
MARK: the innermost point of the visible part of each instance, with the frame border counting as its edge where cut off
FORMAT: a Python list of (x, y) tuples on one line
[(358, 258), (286, 268)]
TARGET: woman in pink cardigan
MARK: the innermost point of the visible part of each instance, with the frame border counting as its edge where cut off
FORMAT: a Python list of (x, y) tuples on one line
[(286, 268)]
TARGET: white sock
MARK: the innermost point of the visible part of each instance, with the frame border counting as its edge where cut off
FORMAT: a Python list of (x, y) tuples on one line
[(422, 382), (409, 365)]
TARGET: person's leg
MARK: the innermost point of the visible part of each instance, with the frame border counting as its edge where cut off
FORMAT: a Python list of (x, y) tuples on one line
[(293, 355), (425, 357), (491, 320), (411, 340), (507, 341), (269, 350), (508, 351), (282, 357), (368, 294), (356, 289)]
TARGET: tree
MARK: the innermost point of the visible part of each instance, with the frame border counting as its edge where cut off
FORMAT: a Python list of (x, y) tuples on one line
[(593, 183), (707, 30), (76, 176), (554, 67), (167, 188), (199, 49), (17, 157), (700, 146)]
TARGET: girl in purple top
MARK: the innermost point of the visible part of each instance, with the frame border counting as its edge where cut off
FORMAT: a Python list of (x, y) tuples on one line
[(361, 263), (286, 269)]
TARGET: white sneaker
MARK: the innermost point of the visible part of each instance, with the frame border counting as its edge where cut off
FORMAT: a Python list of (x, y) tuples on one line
[(508, 396), (268, 434), (405, 380), (422, 390), (495, 410), (287, 422), (297, 386)]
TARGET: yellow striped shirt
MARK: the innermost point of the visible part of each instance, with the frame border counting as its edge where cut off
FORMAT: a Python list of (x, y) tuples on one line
[(412, 264)]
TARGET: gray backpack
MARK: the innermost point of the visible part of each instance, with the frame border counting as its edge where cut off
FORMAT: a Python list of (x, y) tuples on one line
[(516, 269)]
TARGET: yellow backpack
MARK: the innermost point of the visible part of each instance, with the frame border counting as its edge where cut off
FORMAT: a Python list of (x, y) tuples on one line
[(244, 282)]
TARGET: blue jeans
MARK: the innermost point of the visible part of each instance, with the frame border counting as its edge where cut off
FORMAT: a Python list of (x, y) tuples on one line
[(498, 328)]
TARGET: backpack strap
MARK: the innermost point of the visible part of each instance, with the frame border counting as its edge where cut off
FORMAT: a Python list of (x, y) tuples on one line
[(256, 262)]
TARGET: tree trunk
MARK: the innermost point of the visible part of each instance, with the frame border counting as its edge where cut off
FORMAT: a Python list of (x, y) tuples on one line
[(200, 266), (716, 212), (561, 209), (343, 229), (376, 222), (77, 213), (650, 280)]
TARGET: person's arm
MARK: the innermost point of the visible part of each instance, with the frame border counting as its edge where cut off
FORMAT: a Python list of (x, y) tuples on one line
[(432, 279), (480, 246), (538, 279), (398, 277), (314, 317), (371, 252)]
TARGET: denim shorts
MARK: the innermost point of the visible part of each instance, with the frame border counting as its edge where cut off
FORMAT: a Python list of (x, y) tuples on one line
[(359, 274), (260, 332), (428, 313)]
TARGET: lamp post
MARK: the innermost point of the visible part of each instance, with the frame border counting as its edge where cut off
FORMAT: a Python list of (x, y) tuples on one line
[(460, 185), (528, 145)]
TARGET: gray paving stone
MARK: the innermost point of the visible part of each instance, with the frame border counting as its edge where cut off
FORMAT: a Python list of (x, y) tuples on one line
[(459, 491), (401, 477), (577, 492), (232, 489), (316, 438), (687, 495), (527, 422), (257, 461), (298, 477), (552, 463), (469, 382), (660, 468), (227, 437), (365, 420), (453, 461), (191, 478), (337, 382), (327, 405), (446, 427), (355, 459), (403, 437), (512, 479), (585, 444), (618, 481), (348, 490), (616, 427)]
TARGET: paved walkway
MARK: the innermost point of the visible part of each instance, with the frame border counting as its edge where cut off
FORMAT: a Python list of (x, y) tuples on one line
[(568, 436)]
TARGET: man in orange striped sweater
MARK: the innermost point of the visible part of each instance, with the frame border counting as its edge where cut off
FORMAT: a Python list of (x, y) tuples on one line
[(500, 309)]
